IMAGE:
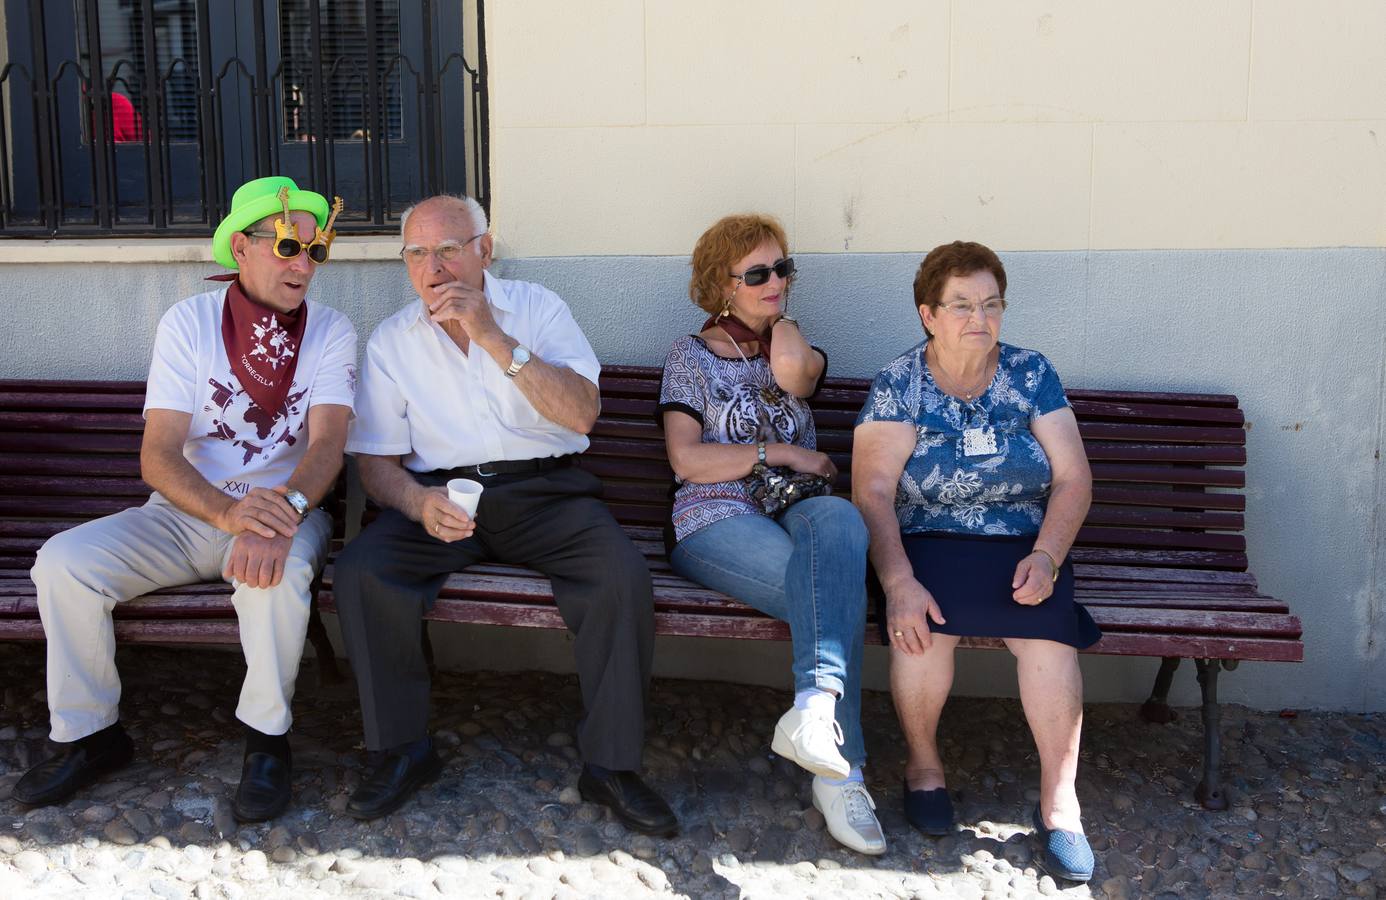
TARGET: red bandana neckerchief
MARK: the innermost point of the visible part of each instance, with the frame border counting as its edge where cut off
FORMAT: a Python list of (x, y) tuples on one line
[(261, 345), (741, 332)]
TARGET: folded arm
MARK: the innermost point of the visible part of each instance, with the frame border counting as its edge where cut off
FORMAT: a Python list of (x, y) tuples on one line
[(708, 463), (795, 365)]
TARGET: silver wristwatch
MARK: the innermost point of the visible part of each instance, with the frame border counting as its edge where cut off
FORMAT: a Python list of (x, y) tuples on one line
[(518, 358), (299, 501)]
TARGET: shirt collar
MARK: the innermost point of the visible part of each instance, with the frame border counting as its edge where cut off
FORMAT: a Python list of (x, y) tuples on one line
[(495, 292)]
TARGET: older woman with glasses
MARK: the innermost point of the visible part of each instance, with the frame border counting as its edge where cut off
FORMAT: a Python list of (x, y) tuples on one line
[(970, 473), (751, 514)]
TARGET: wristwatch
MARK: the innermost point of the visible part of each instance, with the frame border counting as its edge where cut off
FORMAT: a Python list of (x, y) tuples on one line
[(518, 358), (299, 501)]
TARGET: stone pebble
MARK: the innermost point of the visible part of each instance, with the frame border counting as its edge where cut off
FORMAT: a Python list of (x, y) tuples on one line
[(1307, 816)]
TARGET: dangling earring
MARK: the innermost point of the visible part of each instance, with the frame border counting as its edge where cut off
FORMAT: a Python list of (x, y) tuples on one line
[(726, 307)]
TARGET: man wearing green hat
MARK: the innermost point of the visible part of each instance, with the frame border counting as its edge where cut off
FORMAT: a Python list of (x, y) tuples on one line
[(249, 394)]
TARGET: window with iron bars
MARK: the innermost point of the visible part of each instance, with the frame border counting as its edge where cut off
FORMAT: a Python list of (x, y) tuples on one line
[(142, 117)]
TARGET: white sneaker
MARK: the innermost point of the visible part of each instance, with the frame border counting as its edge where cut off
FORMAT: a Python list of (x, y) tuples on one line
[(810, 738), (851, 815)]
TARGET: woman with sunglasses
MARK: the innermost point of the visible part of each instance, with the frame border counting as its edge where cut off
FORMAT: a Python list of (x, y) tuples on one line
[(969, 470), (741, 441)]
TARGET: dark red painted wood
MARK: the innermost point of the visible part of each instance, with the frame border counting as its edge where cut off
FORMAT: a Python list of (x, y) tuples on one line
[(67, 442), (38, 400), (1172, 475), (1158, 412), (64, 464), (68, 422), (72, 486), (1114, 496)]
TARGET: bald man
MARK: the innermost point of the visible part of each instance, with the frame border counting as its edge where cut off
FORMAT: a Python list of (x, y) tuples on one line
[(490, 380)]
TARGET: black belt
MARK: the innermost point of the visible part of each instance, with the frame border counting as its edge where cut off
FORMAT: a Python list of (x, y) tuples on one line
[(510, 467)]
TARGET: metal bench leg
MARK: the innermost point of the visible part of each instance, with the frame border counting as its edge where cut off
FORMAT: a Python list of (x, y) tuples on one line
[(1156, 709), (328, 672), (1209, 790)]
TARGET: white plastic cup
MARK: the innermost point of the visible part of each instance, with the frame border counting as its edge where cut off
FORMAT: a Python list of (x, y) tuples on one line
[(465, 493)]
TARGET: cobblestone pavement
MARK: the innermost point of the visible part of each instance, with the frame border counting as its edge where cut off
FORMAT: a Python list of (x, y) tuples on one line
[(1308, 817)]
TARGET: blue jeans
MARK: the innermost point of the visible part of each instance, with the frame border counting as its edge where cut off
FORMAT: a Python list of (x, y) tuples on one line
[(807, 568)]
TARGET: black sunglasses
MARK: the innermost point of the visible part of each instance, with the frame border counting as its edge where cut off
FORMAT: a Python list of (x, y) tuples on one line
[(758, 275)]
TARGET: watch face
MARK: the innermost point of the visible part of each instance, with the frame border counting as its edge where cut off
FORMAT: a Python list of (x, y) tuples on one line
[(519, 355)]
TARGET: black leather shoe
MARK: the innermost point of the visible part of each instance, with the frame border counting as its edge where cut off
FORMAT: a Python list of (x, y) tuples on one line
[(72, 768), (637, 806), (264, 789), (391, 783)]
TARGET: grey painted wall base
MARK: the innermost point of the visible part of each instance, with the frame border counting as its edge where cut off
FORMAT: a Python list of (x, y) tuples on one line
[(980, 673), (1298, 335)]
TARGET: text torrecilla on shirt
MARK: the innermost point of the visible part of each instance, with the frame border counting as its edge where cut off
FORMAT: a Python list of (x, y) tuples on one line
[(741, 332), (262, 346)]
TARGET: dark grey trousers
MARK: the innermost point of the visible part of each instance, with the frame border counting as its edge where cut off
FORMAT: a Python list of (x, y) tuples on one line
[(556, 523)]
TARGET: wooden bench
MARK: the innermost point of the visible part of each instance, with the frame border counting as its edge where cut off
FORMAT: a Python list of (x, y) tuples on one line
[(69, 452), (1160, 562)]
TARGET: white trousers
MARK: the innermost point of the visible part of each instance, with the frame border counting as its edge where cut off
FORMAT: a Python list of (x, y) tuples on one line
[(81, 574)]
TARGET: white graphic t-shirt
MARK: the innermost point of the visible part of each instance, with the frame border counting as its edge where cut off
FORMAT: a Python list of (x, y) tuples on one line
[(233, 443)]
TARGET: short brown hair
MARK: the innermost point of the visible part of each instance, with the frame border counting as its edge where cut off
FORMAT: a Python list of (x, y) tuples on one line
[(947, 260), (727, 241)]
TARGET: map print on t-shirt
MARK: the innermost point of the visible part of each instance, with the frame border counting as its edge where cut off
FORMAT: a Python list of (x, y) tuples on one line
[(246, 425), (273, 343)]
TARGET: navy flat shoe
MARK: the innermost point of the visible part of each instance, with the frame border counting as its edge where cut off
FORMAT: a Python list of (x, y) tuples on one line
[(1067, 854), (929, 811)]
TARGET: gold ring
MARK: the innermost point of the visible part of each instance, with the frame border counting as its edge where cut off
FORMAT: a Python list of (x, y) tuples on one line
[(898, 633)]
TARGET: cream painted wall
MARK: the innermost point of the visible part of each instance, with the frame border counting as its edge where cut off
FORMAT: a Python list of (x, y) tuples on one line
[(626, 126)]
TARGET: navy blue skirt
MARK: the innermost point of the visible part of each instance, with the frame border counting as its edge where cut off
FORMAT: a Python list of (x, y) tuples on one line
[(970, 577)]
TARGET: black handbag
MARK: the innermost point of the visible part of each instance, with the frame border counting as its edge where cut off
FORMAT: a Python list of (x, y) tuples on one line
[(776, 488)]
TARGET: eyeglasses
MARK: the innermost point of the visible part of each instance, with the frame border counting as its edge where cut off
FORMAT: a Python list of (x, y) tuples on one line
[(286, 242), (758, 275), (964, 309), (447, 251)]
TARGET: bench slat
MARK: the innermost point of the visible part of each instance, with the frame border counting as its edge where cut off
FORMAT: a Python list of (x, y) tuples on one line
[(66, 422), (1146, 517), (72, 486), (69, 464), (1163, 412), (41, 400), (49, 442), (1109, 451), (1172, 475), (1113, 496), (165, 631), (1133, 537)]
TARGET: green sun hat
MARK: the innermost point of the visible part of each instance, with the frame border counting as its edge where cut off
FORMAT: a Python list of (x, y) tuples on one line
[(259, 198)]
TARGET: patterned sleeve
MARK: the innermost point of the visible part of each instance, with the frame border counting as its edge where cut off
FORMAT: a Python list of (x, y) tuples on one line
[(683, 387), (1048, 391), (889, 399)]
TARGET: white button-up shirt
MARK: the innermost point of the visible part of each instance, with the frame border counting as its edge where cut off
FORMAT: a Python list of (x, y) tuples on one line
[(422, 399)]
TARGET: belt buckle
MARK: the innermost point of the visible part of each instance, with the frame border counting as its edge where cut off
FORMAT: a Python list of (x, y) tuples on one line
[(482, 473)]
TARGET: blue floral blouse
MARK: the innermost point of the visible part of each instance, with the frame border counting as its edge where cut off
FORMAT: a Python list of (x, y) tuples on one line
[(976, 467)]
